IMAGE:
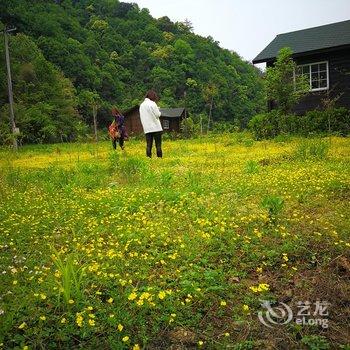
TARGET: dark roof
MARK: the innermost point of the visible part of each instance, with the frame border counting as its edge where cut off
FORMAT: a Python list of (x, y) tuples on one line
[(311, 39), (166, 112), (172, 112), (130, 110)]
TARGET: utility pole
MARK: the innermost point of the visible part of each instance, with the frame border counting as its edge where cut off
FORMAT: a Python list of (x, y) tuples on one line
[(9, 85), (94, 114), (210, 111)]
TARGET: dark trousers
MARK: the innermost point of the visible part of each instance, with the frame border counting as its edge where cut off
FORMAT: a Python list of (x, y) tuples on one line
[(121, 142), (157, 137)]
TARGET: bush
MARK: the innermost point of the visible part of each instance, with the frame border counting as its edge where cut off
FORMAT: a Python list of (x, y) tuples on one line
[(264, 126), (269, 125), (189, 128), (334, 120), (224, 127)]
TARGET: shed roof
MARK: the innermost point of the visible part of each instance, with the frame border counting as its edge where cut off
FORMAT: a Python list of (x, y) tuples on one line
[(166, 112), (172, 112), (306, 40)]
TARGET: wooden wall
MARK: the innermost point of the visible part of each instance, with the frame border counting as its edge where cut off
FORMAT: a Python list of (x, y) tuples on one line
[(134, 127), (174, 124), (133, 123)]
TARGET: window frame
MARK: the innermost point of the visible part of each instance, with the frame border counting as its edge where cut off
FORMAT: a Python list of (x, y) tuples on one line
[(166, 124), (310, 74)]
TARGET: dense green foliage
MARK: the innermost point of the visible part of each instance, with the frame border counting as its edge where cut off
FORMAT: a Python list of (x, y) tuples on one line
[(117, 51), (269, 125), (282, 85), (45, 100)]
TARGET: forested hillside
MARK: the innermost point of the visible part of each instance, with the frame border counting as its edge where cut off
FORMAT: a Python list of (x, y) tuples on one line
[(68, 55)]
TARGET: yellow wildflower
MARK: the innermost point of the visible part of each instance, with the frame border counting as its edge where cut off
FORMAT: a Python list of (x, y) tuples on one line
[(79, 320), (22, 325), (132, 296), (259, 269), (245, 308), (145, 295), (262, 287), (161, 295)]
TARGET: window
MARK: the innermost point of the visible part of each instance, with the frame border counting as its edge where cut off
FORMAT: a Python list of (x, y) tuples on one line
[(165, 124), (316, 74)]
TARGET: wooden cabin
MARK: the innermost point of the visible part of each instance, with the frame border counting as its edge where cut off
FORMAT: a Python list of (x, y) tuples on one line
[(322, 54), (170, 119)]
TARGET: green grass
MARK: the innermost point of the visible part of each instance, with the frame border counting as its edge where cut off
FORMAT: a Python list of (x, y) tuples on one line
[(177, 250)]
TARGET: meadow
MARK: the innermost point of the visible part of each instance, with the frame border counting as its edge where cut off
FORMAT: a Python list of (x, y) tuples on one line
[(111, 250)]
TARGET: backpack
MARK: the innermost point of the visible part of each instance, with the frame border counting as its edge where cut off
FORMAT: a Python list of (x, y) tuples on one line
[(113, 130)]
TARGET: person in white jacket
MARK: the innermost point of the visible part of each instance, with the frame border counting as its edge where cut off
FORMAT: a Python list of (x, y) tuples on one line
[(149, 115)]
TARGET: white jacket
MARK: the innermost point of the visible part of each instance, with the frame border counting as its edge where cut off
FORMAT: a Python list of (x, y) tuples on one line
[(149, 115)]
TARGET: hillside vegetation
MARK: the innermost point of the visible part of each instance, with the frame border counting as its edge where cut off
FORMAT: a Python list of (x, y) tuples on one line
[(68, 55)]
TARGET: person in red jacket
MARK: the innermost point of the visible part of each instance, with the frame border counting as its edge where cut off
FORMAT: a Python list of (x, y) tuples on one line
[(117, 129)]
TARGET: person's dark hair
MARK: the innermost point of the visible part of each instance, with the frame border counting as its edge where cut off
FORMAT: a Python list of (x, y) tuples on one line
[(152, 95)]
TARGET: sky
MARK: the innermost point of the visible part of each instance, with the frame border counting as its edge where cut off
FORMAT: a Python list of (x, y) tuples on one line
[(247, 26)]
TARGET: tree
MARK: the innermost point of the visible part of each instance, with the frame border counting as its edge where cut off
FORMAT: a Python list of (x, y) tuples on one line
[(210, 91), (282, 84), (45, 101), (93, 100)]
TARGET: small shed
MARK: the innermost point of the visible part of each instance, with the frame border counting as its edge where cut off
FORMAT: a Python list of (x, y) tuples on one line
[(322, 54), (170, 119)]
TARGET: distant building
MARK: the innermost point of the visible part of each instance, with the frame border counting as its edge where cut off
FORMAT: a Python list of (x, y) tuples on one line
[(322, 54), (170, 119)]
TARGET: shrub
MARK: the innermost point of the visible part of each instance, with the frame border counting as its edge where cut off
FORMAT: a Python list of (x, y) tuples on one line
[(264, 126), (224, 127), (172, 135), (189, 128), (330, 120), (269, 125), (339, 119)]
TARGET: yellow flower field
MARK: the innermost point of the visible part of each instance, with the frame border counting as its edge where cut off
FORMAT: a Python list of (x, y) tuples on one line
[(111, 250)]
